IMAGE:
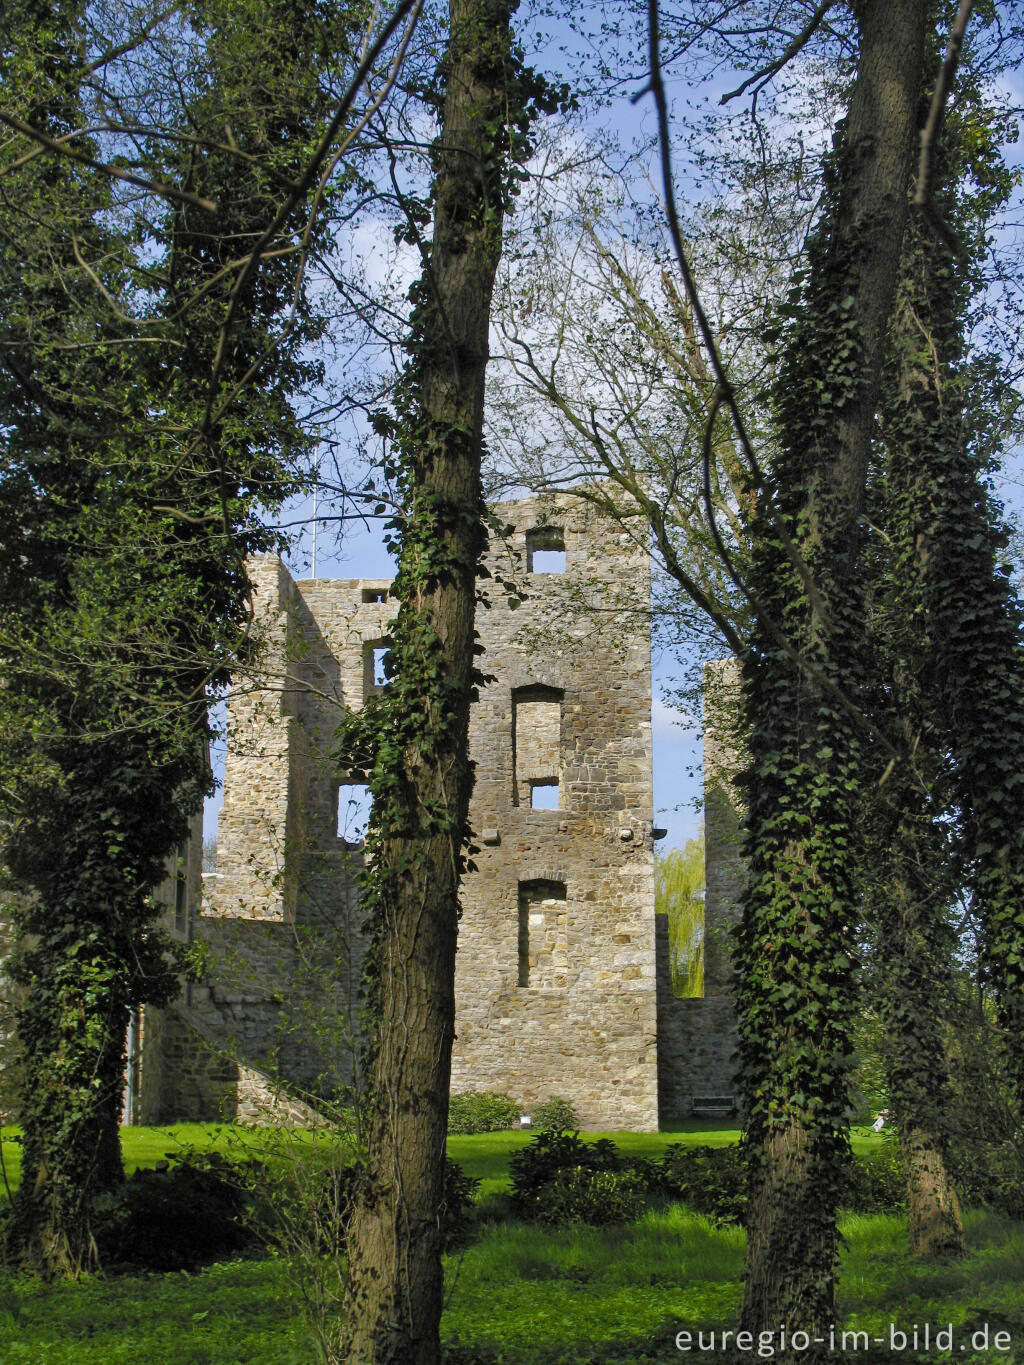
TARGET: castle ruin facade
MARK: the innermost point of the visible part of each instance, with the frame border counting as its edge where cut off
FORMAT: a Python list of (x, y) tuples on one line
[(562, 976)]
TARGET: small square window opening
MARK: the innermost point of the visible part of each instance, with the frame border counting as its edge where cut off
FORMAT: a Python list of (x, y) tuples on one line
[(354, 802), (545, 550)]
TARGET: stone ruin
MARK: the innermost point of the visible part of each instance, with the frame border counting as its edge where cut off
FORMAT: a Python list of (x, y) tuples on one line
[(562, 981)]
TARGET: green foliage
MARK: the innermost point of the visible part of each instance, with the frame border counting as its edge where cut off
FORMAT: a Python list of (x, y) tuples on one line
[(679, 894), (555, 1115), (869, 1091), (709, 1180), (482, 1111), (460, 1192), (876, 1182), (188, 1215), (534, 1167), (578, 1194), (560, 1179), (713, 1181), (138, 468), (530, 1293), (985, 1122)]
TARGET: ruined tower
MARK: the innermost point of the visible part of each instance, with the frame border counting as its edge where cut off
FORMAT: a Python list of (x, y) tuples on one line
[(555, 979)]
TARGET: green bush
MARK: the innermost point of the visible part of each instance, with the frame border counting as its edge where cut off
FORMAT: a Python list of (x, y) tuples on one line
[(709, 1180), (876, 1182), (179, 1218), (310, 1204), (555, 1115), (712, 1181), (580, 1195), (459, 1196), (990, 1175), (482, 1111), (548, 1153)]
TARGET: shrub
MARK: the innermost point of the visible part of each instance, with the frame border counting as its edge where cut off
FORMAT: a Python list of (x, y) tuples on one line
[(310, 1205), (709, 1180), (459, 1195), (876, 1183), (187, 1215), (555, 1115), (990, 1175), (578, 1194), (537, 1165), (712, 1180), (482, 1111)]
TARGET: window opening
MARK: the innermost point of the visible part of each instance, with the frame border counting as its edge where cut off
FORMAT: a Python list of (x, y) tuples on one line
[(536, 747), (375, 595), (543, 795), (545, 550), (543, 936), (354, 802), (181, 888), (374, 676)]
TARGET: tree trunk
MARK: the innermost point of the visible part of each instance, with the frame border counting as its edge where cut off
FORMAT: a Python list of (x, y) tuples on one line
[(940, 416), (72, 1084), (914, 947), (934, 1224), (796, 957), (422, 782)]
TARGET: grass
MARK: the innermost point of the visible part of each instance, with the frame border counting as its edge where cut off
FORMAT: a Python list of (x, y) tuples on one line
[(523, 1294), (565, 1293)]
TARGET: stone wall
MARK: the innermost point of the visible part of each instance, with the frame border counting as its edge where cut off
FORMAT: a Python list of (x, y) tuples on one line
[(179, 897), (697, 1037), (573, 684), (564, 721), (562, 980)]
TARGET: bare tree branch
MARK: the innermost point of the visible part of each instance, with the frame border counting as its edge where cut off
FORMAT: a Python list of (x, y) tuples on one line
[(937, 111), (762, 77), (60, 146)]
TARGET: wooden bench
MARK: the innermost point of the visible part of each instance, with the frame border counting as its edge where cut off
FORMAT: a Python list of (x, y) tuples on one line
[(712, 1106)]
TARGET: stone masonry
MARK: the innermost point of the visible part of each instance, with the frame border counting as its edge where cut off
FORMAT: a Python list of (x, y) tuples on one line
[(696, 1037), (561, 980)]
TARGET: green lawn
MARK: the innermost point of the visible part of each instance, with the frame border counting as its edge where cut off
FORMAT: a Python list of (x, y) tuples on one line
[(520, 1293)]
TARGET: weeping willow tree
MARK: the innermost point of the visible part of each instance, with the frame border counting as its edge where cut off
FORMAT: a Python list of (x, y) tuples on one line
[(679, 894)]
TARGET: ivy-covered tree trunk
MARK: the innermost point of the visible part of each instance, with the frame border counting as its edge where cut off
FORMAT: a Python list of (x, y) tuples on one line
[(941, 413), (134, 480), (87, 953), (422, 780), (945, 619), (909, 903), (73, 1026), (796, 946)]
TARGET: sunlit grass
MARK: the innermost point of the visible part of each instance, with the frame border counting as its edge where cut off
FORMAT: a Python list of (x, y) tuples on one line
[(519, 1293)]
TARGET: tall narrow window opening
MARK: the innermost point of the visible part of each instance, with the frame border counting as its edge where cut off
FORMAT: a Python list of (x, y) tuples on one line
[(354, 802), (374, 677), (181, 888), (537, 748), (543, 934)]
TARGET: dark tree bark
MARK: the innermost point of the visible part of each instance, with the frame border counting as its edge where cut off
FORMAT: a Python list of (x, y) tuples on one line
[(796, 959), (423, 779)]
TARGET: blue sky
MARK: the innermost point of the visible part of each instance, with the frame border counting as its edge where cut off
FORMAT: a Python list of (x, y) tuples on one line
[(676, 737)]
